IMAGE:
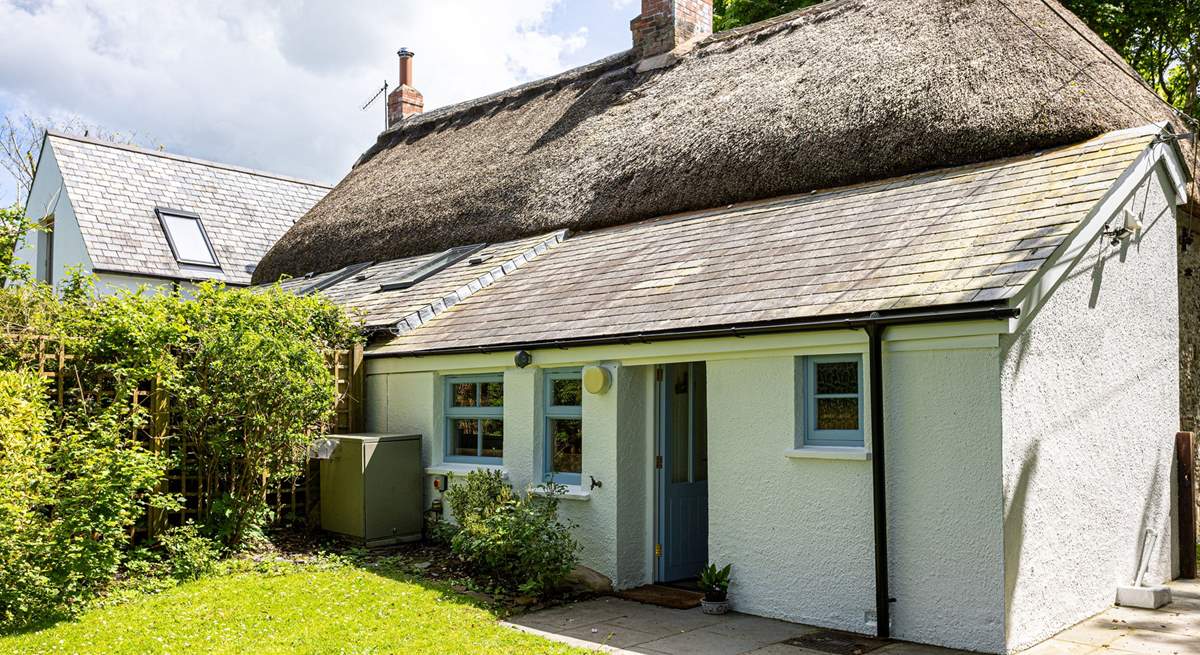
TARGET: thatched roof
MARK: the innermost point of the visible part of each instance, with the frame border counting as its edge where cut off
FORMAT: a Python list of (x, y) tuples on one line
[(844, 92), (969, 235)]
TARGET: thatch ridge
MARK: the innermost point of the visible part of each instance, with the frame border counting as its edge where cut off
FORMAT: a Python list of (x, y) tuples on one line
[(839, 93)]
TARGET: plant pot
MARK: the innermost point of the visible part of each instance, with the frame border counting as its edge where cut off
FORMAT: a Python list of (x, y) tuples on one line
[(714, 606)]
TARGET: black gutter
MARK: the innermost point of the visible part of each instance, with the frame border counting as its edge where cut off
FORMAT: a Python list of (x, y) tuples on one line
[(961, 312), (874, 324)]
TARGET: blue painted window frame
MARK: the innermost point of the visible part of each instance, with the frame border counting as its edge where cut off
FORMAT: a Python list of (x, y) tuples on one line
[(551, 412), (478, 413), (837, 438)]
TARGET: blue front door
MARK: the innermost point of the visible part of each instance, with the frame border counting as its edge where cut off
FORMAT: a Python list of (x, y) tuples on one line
[(682, 470)]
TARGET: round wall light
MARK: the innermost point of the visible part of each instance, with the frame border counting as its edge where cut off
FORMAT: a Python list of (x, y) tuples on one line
[(596, 379), (523, 359)]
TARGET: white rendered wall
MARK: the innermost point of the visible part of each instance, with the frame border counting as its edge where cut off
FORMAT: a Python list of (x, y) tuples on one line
[(799, 531), (48, 196), (945, 535), (611, 520), (1091, 406)]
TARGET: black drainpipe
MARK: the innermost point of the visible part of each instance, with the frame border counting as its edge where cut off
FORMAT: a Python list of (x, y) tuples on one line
[(883, 597)]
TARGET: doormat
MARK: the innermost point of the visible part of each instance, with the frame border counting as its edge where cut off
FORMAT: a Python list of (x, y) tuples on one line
[(654, 594), (838, 643)]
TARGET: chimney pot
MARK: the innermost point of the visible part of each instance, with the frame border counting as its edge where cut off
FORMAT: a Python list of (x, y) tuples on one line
[(405, 101)]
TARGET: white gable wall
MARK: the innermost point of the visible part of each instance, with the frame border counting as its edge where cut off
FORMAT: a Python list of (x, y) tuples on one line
[(49, 196), (1090, 392)]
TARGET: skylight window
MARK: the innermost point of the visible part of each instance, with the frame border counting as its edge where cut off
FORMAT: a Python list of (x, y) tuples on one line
[(437, 264), (187, 238)]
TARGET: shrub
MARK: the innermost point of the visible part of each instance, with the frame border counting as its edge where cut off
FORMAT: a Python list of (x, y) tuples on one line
[(66, 502), (190, 554), (516, 540)]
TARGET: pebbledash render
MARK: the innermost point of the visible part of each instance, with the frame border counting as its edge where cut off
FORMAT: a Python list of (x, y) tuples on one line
[(925, 389)]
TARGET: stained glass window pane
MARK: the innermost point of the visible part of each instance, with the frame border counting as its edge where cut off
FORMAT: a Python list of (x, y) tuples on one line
[(566, 444), (464, 438), (492, 394), (837, 377), (837, 413), (567, 393), (493, 437)]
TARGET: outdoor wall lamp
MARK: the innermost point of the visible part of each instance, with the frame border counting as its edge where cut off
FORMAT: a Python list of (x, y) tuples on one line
[(596, 379), (1124, 226), (523, 359)]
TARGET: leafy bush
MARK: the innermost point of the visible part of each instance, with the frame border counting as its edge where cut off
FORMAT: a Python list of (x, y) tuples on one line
[(190, 554), (516, 540), (66, 501), (246, 386)]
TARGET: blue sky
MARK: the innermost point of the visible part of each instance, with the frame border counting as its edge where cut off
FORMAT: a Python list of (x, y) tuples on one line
[(277, 84)]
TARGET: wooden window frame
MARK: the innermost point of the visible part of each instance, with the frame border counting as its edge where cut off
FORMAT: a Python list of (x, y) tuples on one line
[(561, 412), (478, 413), (831, 438)]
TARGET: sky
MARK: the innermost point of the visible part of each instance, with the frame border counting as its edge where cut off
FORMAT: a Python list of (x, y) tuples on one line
[(278, 85)]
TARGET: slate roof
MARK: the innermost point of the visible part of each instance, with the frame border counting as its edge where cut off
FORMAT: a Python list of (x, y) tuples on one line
[(114, 190), (401, 310), (957, 235), (843, 92)]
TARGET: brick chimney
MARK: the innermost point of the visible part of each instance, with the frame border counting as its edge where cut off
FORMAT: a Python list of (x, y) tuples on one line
[(405, 101), (665, 25)]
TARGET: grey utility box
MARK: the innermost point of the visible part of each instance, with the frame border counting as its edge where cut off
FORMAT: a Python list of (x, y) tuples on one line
[(371, 488)]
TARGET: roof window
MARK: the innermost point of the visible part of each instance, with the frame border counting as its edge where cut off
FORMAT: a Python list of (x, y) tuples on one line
[(186, 235), (439, 263)]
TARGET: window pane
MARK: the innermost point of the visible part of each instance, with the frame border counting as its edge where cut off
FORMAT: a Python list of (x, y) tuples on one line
[(190, 244), (567, 393), (463, 394), (837, 413), (700, 423), (492, 394), (566, 444), (493, 437), (837, 377), (678, 438), (464, 437)]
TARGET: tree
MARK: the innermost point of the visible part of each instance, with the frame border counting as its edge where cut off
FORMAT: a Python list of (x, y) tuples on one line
[(14, 229), (21, 137), (728, 14), (1160, 39)]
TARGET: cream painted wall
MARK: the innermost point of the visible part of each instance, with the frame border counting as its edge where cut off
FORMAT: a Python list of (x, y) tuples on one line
[(945, 538), (799, 531), (611, 523), (1090, 390)]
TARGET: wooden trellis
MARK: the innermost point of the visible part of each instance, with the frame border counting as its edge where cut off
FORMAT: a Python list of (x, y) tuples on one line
[(296, 500)]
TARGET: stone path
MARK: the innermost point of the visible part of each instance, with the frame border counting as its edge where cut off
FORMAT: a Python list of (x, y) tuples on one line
[(619, 626)]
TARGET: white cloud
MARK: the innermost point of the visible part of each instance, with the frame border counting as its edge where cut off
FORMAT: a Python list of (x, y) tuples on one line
[(271, 84)]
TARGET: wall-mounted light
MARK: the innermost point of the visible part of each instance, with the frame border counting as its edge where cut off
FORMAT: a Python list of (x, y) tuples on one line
[(596, 379), (1123, 226), (523, 359)]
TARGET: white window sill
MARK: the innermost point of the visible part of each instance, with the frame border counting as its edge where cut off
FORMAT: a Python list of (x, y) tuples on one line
[(572, 492), (461, 469), (828, 452)]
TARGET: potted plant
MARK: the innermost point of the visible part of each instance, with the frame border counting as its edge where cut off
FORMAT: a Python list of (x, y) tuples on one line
[(714, 583)]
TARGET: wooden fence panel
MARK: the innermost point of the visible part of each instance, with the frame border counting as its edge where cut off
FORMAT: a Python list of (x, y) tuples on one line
[(293, 500)]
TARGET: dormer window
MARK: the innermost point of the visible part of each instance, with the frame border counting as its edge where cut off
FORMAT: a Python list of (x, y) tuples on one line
[(442, 261), (187, 238)]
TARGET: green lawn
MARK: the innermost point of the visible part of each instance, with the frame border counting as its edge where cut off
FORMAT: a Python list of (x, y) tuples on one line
[(303, 610)]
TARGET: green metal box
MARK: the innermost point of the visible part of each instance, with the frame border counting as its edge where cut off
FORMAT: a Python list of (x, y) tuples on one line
[(371, 488)]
